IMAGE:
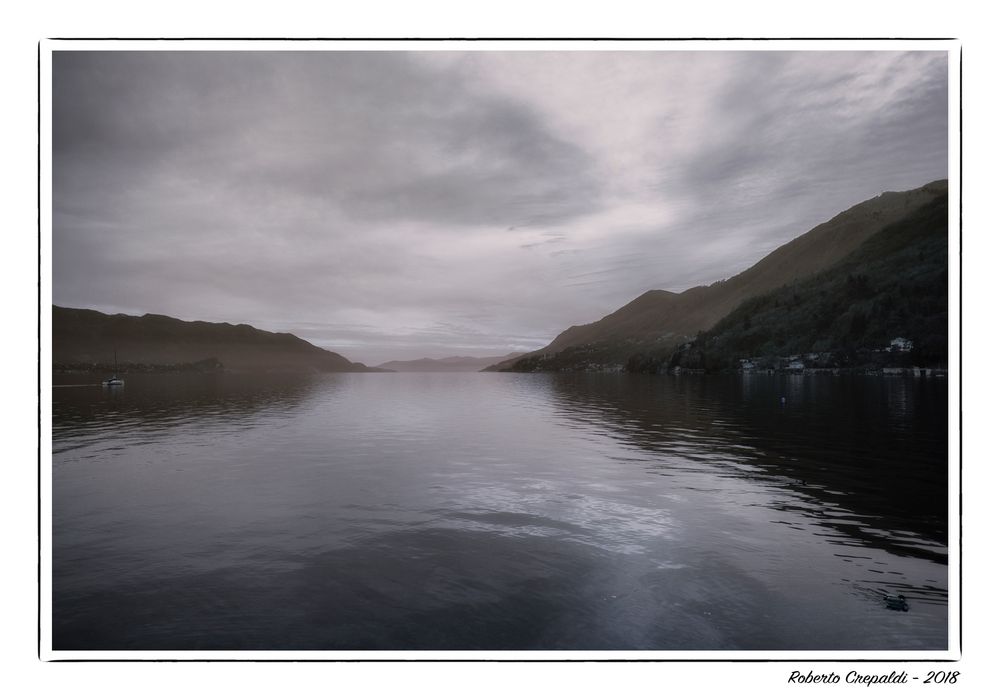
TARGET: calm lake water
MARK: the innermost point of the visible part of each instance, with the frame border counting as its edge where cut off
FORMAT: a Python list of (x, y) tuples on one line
[(500, 511)]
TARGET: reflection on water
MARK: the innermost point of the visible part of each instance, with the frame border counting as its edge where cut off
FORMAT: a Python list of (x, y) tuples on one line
[(153, 404), (493, 511), (859, 452)]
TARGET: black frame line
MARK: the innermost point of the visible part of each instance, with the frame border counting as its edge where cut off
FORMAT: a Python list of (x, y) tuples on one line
[(629, 39), (475, 40)]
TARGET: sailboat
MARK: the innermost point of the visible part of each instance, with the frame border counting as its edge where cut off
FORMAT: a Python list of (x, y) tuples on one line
[(114, 381)]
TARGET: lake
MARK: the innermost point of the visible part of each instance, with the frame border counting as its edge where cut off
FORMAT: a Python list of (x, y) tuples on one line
[(500, 511)]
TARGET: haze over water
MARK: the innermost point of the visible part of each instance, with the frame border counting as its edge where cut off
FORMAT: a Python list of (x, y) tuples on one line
[(500, 511)]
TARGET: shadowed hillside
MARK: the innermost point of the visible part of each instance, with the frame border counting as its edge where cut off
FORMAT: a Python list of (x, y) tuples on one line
[(895, 285), (659, 319), (83, 339)]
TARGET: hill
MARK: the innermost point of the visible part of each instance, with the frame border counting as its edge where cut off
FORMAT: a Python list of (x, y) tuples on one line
[(895, 285), (83, 338), (446, 364), (661, 319)]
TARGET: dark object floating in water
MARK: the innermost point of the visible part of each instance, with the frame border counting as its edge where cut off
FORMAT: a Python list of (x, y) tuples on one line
[(896, 602)]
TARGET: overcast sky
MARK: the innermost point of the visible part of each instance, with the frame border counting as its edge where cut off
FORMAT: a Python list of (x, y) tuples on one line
[(395, 205)]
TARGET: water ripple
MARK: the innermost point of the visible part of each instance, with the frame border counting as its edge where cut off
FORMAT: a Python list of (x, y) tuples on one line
[(500, 511)]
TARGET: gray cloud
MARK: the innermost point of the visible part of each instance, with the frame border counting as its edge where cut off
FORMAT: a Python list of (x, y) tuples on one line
[(369, 133), (393, 205), (793, 142)]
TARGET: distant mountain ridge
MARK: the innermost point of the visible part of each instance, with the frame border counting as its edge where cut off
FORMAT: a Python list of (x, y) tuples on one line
[(446, 364), (661, 319), (84, 337)]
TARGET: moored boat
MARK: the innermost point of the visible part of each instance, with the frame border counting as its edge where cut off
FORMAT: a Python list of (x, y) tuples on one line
[(114, 380)]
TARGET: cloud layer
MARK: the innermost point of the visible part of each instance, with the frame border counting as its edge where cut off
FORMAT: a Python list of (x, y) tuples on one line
[(394, 205)]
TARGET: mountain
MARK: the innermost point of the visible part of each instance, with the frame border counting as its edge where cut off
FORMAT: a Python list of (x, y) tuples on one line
[(659, 320), (83, 338), (446, 364), (893, 286)]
